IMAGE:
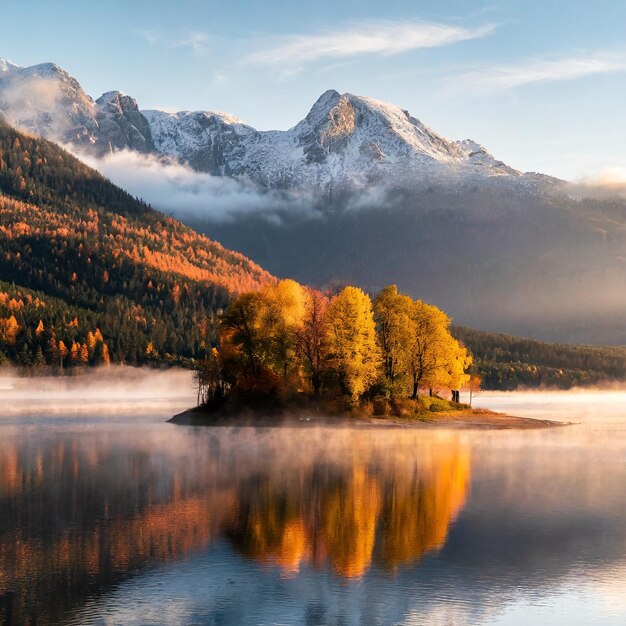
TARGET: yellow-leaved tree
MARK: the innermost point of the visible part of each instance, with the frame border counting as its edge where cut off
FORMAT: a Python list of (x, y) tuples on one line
[(281, 317), (353, 352), (459, 364), (432, 348), (395, 327)]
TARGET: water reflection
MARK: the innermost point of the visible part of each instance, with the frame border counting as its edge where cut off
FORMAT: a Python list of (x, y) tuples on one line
[(81, 511), (389, 511)]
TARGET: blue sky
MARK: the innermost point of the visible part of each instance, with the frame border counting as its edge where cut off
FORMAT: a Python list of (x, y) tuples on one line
[(542, 84)]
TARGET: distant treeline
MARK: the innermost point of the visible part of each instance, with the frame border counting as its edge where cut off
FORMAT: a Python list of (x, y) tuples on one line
[(505, 362)]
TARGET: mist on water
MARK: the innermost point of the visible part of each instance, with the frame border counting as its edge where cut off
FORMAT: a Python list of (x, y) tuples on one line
[(106, 390)]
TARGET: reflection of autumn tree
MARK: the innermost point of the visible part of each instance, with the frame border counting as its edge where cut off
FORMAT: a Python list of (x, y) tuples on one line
[(418, 508), (389, 512), (268, 527), (349, 517), (160, 533)]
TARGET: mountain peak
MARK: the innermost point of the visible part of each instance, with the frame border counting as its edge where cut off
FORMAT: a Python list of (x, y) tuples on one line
[(372, 131), (8, 66), (117, 101), (321, 108), (46, 70)]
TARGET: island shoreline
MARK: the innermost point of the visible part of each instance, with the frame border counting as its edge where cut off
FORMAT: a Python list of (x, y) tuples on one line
[(463, 419)]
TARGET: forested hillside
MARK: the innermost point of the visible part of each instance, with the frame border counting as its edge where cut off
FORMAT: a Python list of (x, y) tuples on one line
[(82, 259), (506, 362)]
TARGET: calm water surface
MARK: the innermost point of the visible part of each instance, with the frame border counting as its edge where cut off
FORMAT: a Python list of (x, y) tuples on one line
[(110, 516)]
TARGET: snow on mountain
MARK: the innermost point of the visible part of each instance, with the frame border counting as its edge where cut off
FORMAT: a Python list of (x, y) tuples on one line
[(209, 141), (7, 66), (349, 139), (44, 99), (344, 141)]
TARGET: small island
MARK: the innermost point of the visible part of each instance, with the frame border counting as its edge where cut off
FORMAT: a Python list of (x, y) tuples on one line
[(460, 417), (297, 356)]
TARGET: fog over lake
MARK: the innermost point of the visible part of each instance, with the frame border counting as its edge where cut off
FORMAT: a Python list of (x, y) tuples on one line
[(108, 515)]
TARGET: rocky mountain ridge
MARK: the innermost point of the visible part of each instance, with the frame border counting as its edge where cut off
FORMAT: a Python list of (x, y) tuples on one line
[(344, 141)]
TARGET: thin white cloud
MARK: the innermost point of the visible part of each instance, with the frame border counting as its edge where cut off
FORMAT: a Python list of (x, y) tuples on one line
[(381, 38), (197, 41), (506, 77)]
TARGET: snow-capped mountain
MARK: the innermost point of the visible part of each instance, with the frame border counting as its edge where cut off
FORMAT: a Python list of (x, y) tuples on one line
[(44, 99), (344, 140)]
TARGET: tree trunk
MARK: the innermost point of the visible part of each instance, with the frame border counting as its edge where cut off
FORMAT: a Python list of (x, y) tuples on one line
[(415, 390), (315, 380)]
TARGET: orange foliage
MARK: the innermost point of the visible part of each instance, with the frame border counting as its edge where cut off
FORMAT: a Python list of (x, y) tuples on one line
[(169, 247), (9, 329)]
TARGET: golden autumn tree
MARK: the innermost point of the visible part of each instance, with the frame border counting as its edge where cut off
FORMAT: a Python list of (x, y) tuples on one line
[(62, 352), (75, 353), (259, 337), (84, 354), (150, 350), (105, 358), (281, 317), (459, 362), (430, 347), (394, 324), (353, 352), (91, 343)]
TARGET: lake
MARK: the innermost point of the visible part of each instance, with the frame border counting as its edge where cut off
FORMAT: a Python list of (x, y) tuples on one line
[(110, 516)]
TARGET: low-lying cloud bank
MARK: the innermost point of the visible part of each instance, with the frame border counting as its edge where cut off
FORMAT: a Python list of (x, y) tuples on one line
[(607, 184), (175, 188)]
